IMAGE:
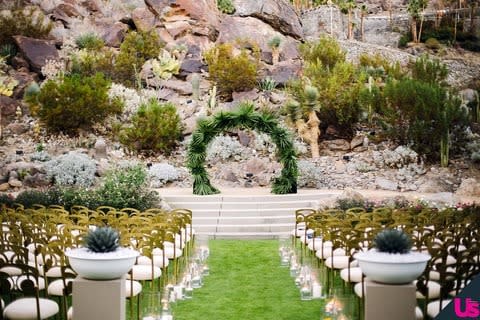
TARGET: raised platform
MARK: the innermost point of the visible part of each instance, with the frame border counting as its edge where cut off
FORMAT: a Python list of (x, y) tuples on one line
[(256, 213)]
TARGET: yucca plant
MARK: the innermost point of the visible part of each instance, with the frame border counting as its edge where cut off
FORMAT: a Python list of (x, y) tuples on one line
[(392, 241), (103, 239)]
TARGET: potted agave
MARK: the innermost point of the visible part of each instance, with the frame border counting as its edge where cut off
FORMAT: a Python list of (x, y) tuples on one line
[(102, 258), (391, 261)]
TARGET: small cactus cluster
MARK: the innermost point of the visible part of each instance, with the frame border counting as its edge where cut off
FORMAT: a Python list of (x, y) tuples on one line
[(103, 239), (392, 241)]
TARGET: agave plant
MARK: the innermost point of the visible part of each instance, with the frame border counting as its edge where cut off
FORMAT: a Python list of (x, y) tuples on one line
[(392, 241), (103, 239)]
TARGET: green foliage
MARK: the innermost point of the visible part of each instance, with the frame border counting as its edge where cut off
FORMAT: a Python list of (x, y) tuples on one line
[(28, 198), (433, 44), (392, 241), (74, 102), (225, 6), (89, 62), (380, 67), (6, 200), (102, 239), (135, 50), (274, 42), (347, 203), (231, 72), (326, 52), (267, 84), (7, 85), (155, 128), (165, 66), (127, 187), (430, 71), (8, 51), (27, 22), (404, 40), (338, 83), (419, 114), (89, 41), (244, 117)]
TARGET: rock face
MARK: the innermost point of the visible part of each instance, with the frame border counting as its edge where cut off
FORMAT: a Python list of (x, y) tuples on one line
[(258, 32), (36, 51), (277, 13)]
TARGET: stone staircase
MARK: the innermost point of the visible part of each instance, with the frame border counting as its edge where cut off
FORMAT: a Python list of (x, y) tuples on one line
[(244, 213)]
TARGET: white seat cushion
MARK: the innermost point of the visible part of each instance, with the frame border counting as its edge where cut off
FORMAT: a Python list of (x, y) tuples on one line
[(337, 262), (355, 274), (144, 272), (433, 290), (132, 284), (433, 308), (55, 288), (418, 313), (169, 252), (357, 288), (26, 309), (157, 261)]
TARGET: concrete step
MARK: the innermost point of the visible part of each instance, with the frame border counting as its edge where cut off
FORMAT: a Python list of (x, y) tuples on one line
[(280, 227), (193, 205), (245, 235), (171, 196), (255, 214), (244, 220), (246, 212)]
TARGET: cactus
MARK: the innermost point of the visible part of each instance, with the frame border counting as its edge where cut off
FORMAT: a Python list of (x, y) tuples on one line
[(103, 239), (212, 100), (7, 85), (165, 66), (392, 241)]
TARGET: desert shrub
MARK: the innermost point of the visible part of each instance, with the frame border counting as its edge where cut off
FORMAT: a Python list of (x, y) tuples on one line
[(337, 81), (404, 40), (378, 66), (135, 50), (225, 6), (433, 44), (28, 198), (127, 187), (73, 103), (89, 41), (231, 72), (155, 128), (29, 22), (6, 200), (430, 71), (418, 114), (86, 62), (160, 174), (309, 175), (347, 203), (72, 169), (224, 147), (325, 52)]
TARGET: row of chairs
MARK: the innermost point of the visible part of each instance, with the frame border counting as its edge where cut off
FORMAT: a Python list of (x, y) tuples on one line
[(450, 236), (33, 264)]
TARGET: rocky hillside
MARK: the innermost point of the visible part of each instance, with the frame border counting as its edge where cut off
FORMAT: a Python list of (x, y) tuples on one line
[(193, 27)]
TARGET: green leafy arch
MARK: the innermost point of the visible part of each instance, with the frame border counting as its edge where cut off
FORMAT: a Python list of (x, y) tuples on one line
[(244, 117)]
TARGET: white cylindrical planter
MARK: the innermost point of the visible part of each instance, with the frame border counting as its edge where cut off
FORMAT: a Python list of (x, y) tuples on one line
[(99, 299)]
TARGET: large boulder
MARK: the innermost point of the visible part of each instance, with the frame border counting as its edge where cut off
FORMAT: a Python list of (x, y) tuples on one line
[(202, 15), (8, 107), (258, 32), (277, 13), (36, 51)]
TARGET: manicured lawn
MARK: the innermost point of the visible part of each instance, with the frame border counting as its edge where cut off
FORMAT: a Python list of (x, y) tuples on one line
[(247, 282)]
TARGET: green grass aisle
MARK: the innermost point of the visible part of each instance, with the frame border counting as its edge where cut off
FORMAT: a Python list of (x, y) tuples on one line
[(247, 282)]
